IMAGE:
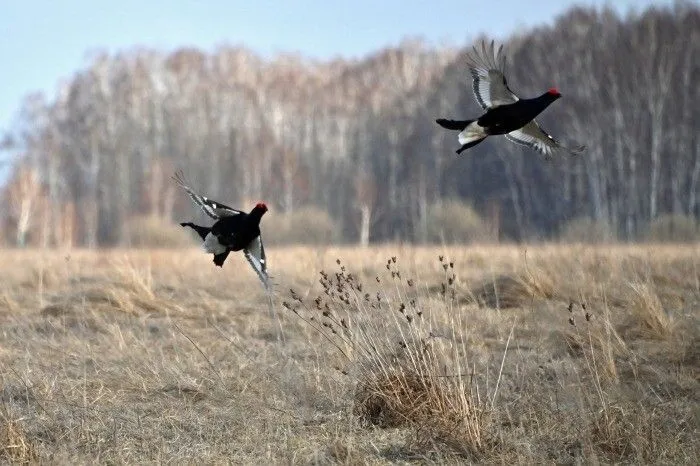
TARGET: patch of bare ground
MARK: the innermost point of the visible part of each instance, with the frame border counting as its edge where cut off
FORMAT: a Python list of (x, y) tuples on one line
[(392, 354)]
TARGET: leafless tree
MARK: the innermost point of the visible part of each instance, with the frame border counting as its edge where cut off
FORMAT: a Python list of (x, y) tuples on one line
[(357, 137)]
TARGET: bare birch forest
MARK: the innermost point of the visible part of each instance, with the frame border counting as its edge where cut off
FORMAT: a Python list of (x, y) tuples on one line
[(356, 140)]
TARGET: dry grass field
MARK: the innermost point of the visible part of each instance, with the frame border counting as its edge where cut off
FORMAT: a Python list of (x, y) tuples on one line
[(512, 354)]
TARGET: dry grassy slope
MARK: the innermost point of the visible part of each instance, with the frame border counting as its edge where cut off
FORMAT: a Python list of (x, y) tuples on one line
[(144, 356)]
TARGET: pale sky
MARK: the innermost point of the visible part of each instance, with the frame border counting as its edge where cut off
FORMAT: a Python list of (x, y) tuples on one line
[(45, 41)]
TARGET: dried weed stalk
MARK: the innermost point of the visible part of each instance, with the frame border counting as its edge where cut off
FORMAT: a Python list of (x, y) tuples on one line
[(403, 376)]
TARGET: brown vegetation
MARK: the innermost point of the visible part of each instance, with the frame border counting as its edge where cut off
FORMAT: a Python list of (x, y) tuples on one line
[(528, 354)]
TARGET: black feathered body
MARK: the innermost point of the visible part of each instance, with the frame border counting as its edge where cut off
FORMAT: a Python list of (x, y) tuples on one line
[(507, 118), (233, 230), (236, 233)]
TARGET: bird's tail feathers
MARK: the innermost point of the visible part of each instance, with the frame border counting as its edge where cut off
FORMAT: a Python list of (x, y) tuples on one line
[(201, 231), (453, 124)]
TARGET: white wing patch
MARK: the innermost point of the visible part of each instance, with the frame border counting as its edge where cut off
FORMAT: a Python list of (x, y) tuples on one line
[(487, 67), (255, 254), (213, 209), (533, 136)]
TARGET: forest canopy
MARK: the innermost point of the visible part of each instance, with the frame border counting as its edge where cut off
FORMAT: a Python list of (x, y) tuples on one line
[(355, 142)]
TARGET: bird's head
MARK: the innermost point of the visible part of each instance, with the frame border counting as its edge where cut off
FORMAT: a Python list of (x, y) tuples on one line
[(554, 92), (261, 206)]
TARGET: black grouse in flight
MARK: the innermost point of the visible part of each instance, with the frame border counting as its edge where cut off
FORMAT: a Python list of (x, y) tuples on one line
[(505, 112), (234, 230)]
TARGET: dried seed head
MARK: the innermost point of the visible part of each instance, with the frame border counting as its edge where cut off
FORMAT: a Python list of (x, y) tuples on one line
[(452, 265), (378, 280), (441, 258), (409, 318), (589, 316), (393, 259), (337, 261), (571, 306), (409, 282), (572, 321), (402, 307)]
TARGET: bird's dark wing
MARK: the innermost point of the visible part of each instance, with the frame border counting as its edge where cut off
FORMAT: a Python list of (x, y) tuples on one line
[(214, 209), (487, 67), (535, 137), (255, 254)]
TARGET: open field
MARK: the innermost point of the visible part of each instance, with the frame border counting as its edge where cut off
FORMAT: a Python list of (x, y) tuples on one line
[(487, 355)]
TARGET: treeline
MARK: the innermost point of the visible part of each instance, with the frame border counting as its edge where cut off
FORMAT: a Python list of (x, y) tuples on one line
[(357, 138)]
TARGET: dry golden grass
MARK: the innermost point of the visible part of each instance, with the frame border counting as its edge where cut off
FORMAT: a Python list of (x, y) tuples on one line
[(546, 353), (15, 448)]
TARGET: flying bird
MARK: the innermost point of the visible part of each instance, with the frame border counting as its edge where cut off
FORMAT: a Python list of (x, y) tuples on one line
[(234, 230), (505, 112)]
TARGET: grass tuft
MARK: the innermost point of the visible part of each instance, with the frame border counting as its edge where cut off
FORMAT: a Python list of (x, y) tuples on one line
[(385, 340), (648, 313)]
